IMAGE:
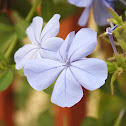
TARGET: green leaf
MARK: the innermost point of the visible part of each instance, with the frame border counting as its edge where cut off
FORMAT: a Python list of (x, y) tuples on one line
[(115, 16), (5, 39), (22, 7), (109, 109), (45, 119), (123, 121), (89, 121), (125, 14), (6, 78), (2, 58), (3, 62), (6, 32), (47, 9), (111, 67), (21, 96), (106, 88), (122, 84), (69, 9), (4, 19), (51, 7), (5, 27), (20, 28)]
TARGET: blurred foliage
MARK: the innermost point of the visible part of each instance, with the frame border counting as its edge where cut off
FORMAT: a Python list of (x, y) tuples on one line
[(90, 121), (45, 119), (6, 75), (6, 32), (20, 29), (22, 7), (22, 95), (56, 7), (109, 109), (6, 78)]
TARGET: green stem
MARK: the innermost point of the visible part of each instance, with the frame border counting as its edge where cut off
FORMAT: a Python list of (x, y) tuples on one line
[(30, 14), (118, 121), (11, 48), (112, 81)]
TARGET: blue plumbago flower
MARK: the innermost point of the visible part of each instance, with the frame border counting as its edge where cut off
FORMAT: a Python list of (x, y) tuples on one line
[(101, 13), (109, 31), (44, 44), (71, 67)]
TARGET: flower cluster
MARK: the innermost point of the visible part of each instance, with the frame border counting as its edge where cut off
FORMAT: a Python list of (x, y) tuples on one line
[(49, 58)]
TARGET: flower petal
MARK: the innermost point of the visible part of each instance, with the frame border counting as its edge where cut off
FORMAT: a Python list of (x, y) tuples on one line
[(81, 3), (37, 54), (51, 29), (63, 50), (48, 54), (53, 43), (91, 73), (24, 54), (84, 16), (41, 73), (34, 30), (67, 91), (101, 14), (83, 44)]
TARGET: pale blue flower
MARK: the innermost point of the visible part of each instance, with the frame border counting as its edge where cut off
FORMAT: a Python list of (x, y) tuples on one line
[(71, 67), (100, 11), (43, 42)]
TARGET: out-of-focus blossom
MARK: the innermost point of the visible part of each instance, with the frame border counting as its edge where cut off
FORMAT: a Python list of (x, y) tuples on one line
[(44, 44), (71, 67), (100, 11)]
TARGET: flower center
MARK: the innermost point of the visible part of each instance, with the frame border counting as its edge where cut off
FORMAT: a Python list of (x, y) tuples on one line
[(68, 63)]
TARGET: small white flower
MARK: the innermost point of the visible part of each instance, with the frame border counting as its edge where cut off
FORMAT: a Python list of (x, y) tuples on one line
[(44, 44)]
